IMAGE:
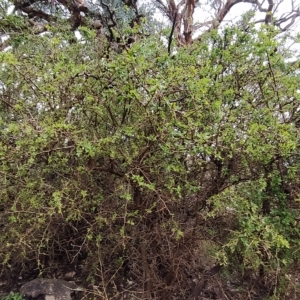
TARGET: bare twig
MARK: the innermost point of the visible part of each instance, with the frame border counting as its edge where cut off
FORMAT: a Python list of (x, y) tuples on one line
[(171, 34)]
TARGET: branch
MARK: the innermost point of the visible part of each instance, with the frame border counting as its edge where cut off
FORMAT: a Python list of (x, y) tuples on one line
[(162, 6), (188, 20), (31, 12), (199, 25), (169, 10), (292, 18), (20, 5), (37, 13), (111, 13), (172, 5), (171, 34), (223, 11), (269, 14)]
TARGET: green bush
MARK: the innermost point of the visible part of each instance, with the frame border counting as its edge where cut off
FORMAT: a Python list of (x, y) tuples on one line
[(125, 162), (13, 296)]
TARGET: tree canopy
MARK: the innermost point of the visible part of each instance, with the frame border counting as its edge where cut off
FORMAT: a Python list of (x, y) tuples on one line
[(148, 156)]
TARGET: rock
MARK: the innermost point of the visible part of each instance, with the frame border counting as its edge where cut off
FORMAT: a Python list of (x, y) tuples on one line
[(53, 289)]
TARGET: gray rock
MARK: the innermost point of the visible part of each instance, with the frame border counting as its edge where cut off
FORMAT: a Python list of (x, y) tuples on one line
[(52, 289)]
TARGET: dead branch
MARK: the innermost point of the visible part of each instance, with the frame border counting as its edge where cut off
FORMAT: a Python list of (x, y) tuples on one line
[(171, 34)]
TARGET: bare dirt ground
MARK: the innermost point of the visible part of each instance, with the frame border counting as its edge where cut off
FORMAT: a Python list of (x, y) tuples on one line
[(221, 285)]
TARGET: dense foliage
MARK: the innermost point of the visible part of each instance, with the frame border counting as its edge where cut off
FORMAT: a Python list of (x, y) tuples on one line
[(142, 170)]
